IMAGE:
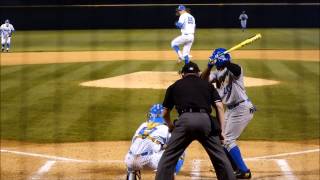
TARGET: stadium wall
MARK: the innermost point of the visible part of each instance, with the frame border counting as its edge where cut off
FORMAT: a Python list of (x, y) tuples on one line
[(163, 16)]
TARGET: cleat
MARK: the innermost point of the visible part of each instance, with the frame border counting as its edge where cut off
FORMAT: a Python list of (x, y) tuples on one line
[(134, 175), (243, 175), (2, 49)]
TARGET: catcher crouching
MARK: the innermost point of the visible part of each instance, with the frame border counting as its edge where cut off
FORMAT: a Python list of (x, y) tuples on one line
[(148, 145)]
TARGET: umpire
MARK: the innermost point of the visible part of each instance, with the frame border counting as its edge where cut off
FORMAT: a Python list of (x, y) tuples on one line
[(193, 98)]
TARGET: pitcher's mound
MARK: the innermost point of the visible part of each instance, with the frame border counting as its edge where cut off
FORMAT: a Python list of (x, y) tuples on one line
[(157, 80)]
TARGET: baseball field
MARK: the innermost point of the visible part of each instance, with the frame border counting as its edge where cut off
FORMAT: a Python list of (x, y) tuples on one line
[(71, 100)]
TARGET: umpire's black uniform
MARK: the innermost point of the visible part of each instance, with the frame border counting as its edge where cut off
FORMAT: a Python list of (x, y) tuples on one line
[(193, 98)]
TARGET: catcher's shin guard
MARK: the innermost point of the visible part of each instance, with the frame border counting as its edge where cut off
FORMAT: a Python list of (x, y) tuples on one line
[(133, 175)]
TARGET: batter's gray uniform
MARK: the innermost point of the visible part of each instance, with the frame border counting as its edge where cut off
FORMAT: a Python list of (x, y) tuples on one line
[(239, 112), (232, 91)]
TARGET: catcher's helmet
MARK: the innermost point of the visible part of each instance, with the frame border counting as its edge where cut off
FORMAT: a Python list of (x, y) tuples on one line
[(221, 58), (155, 114), (181, 8)]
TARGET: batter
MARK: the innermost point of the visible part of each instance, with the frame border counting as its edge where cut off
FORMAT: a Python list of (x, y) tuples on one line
[(239, 109)]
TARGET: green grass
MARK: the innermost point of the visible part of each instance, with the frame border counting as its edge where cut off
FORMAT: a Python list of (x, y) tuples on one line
[(155, 39), (44, 103)]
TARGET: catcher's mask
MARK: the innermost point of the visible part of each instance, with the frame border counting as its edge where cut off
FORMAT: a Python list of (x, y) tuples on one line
[(156, 114), (217, 54)]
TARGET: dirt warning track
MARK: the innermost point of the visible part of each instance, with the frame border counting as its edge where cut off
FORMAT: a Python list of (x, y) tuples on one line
[(92, 56)]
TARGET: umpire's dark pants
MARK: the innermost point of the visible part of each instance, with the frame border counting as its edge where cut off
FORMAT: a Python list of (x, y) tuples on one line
[(189, 127)]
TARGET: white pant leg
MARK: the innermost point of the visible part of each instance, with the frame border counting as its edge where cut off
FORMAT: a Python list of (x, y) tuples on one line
[(243, 24), (177, 41), (8, 40), (3, 39), (237, 120), (188, 39), (134, 162), (154, 160)]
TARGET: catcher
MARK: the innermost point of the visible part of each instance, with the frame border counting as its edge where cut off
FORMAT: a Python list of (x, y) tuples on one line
[(148, 145)]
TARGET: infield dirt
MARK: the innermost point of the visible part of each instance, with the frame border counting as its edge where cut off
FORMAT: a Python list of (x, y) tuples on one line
[(93, 56), (104, 160)]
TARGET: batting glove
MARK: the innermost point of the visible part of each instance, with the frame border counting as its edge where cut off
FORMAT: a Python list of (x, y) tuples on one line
[(211, 63)]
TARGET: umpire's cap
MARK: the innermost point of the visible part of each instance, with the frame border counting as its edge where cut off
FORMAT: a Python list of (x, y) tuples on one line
[(191, 67)]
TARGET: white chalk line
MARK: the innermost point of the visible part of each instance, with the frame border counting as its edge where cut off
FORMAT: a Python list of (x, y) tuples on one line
[(286, 170), (195, 169), (283, 154), (42, 170), (57, 158), (195, 174)]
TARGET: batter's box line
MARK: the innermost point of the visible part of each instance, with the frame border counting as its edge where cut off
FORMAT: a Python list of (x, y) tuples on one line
[(66, 159), (58, 158)]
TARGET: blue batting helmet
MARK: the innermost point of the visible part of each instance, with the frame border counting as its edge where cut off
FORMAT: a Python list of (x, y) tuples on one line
[(221, 58), (155, 114), (181, 8)]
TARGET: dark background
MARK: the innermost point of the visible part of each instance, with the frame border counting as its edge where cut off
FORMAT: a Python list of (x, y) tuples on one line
[(41, 15)]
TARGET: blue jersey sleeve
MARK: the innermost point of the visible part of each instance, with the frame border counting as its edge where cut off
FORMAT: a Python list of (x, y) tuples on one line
[(179, 25)]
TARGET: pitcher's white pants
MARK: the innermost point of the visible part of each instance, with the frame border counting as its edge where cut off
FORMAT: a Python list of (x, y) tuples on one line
[(186, 40)]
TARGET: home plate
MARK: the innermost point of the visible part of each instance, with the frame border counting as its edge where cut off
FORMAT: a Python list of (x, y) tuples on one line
[(157, 80)]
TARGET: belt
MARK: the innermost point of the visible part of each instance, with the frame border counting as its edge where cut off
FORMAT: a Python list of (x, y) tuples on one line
[(192, 110), (187, 33), (149, 137), (142, 154), (236, 104)]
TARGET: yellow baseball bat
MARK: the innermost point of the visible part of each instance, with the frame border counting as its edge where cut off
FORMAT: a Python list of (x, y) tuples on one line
[(243, 43)]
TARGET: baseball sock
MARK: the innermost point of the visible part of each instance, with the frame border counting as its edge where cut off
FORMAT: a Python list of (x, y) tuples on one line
[(233, 164), (186, 59), (178, 166), (236, 156), (2, 46), (8, 46), (176, 48)]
